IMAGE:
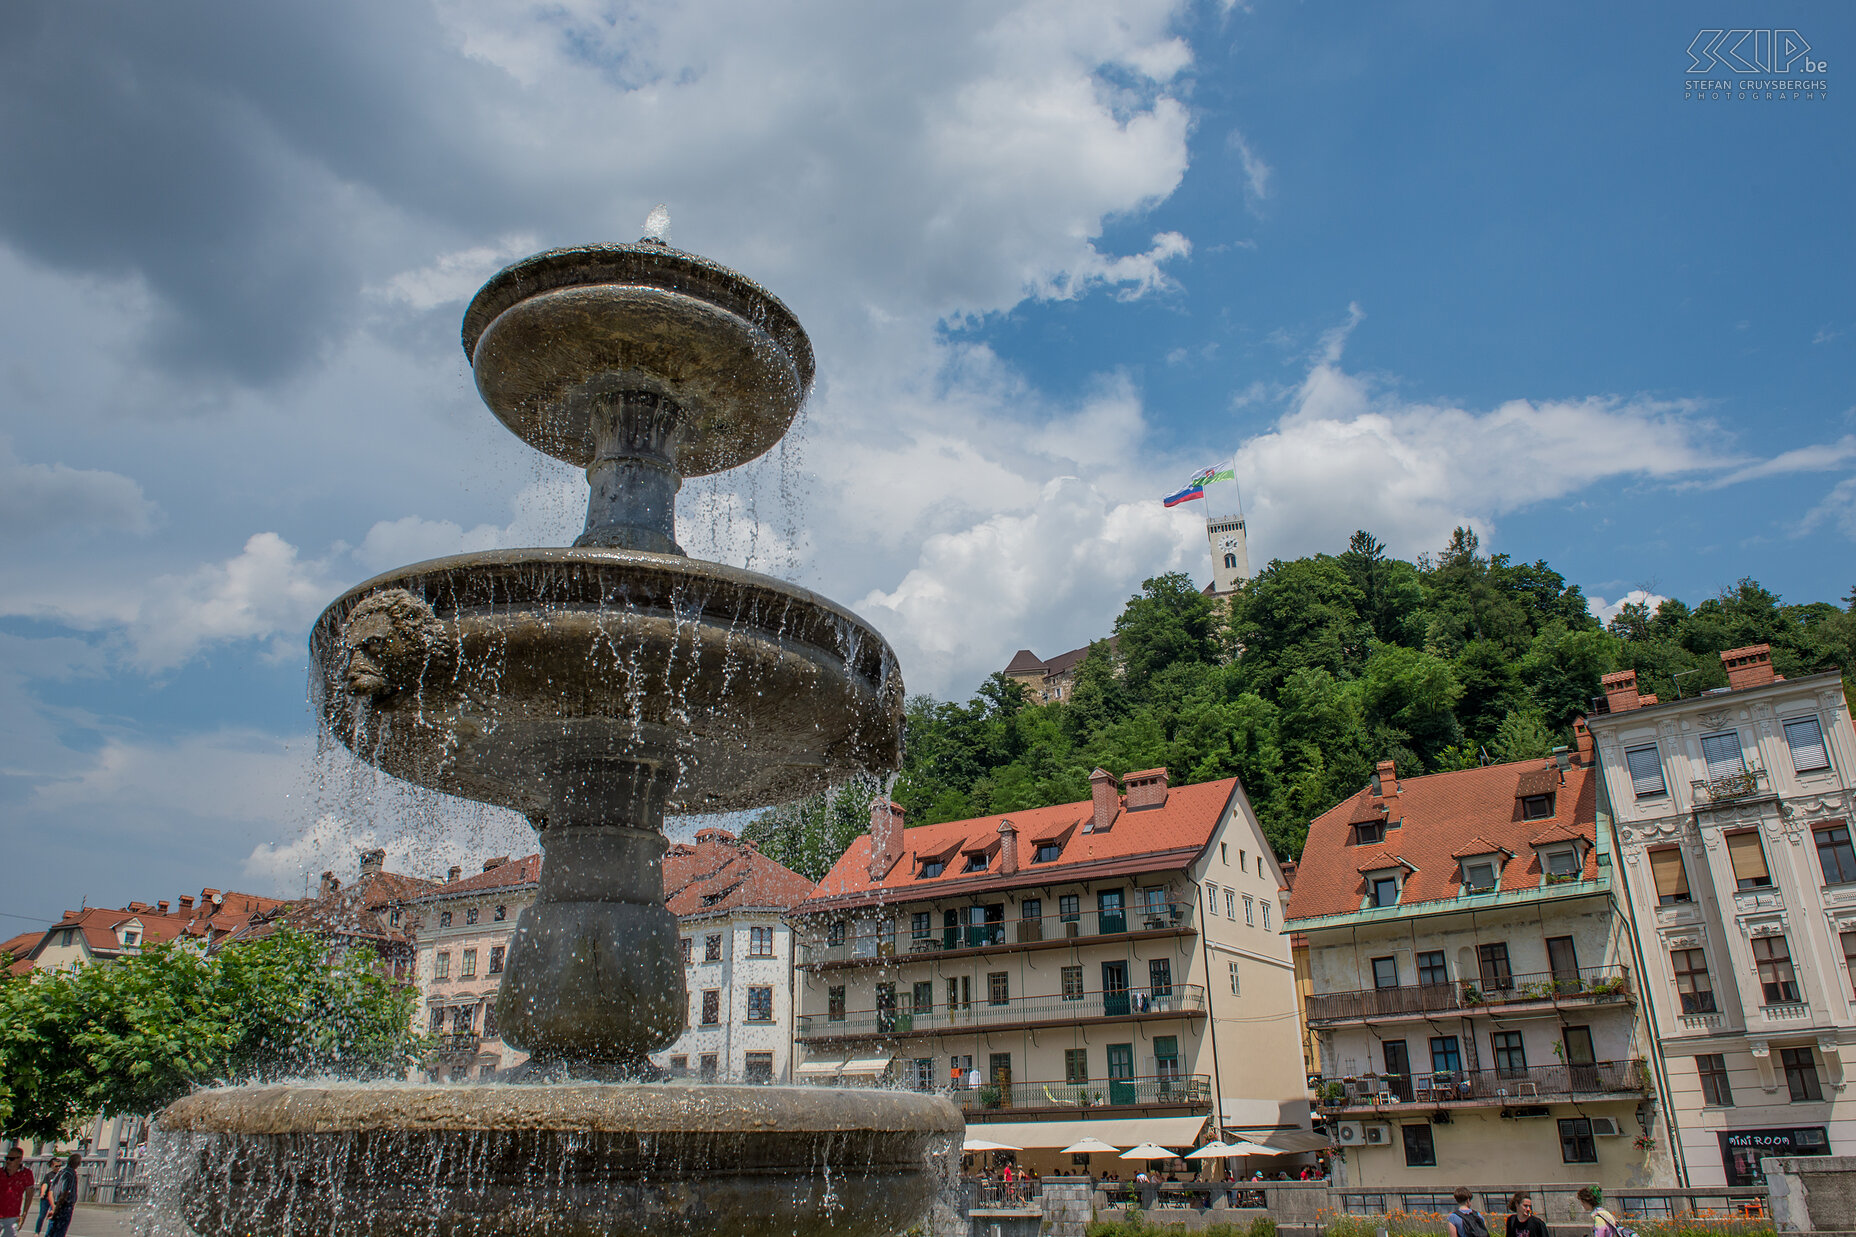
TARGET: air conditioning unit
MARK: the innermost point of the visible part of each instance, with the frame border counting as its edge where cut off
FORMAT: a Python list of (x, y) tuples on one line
[(1349, 1133), (1606, 1127), (1377, 1135), (1072, 928)]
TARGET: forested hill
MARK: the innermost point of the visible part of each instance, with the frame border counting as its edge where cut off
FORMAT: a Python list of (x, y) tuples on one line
[(1321, 667)]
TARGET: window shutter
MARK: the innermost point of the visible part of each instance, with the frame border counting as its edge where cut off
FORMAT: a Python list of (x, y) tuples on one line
[(1806, 738), (1722, 752), (1646, 770), (1666, 867), (1748, 859)]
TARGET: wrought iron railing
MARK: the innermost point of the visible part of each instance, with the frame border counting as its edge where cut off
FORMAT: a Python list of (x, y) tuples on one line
[(1728, 787), (1124, 1003), (459, 1045), (1509, 1086), (1586, 984), (1093, 1093), (902, 941)]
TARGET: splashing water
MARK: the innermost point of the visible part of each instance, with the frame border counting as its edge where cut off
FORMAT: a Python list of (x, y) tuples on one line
[(657, 223)]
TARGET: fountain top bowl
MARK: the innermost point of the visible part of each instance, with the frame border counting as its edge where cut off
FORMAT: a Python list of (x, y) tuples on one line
[(552, 335)]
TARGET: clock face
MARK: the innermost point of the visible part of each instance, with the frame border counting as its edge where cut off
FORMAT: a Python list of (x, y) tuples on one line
[(1229, 543)]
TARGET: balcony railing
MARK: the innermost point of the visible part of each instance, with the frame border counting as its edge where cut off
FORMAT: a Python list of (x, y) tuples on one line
[(1078, 925), (1094, 1093), (1589, 983), (1732, 786), (1019, 1011), (459, 1045), (1486, 1086)]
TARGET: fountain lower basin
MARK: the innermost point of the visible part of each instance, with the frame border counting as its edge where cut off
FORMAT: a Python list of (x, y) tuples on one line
[(564, 1160)]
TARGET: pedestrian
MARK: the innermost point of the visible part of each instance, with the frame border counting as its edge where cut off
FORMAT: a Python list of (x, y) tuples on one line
[(45, 1199), (1466, 1221), (64, 1197), (1522, 1222), (1604, 1224), (15, 1192)]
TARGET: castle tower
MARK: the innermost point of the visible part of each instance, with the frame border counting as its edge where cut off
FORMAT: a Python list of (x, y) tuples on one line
[(1230, 555)]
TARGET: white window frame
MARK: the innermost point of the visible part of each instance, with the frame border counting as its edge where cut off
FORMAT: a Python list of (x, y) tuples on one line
[(1492, 862), (1639, 783), (1236, 984), (1250, 912), (1568, 851), (1792, 745)]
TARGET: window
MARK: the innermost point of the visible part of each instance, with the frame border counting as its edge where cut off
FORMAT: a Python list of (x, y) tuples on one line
[(1801, 1074), (1806, 739), (1777, 981), (393, 918), (712, 947), (1385, 891), (1230, 562), (680, 1065), (757, 1067), (1076, 1065), (1266, 916), (1849, 957), (1369, 832), (1563, 959), (1834, 854), (834, 934), (1431, 967), (975, 863), (1715, 1091), (496, 959), (760, 942), (1646, 771), (438, 1019), (921, 1073), (683, 947), (1510, 1053), (470, 915), (1250, 912), (1420, 1150), (921, 1000), (1560, 861), (1576, 1044), (1069, 907), (1576, 1144), (442, 968), (1072, 979), (834, 1004), (998, 988), (760, 1004), (502, 913), (1224, 853), (1749, 861), (1234, 982), (1031, 908), (1446, 1054), (960, 992), (1230, 904), (1721, 752), (489, 1019), (1693, 987), (706, 1066), (469, 968), (1479, 876), (1211, 897), (933, 867), (444, 919), (1160, 976), (1047, 852), (1670, 877), (921, 926), (1385, 972), (711, 1006), (1536, 807), (1492, 963)]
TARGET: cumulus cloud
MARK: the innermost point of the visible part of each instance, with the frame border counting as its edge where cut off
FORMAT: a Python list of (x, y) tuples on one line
[(1604, 611), (264, 590), (454, 276), (42, 498)]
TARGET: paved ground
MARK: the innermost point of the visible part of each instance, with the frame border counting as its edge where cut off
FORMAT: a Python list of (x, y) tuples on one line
[(94, 1220)]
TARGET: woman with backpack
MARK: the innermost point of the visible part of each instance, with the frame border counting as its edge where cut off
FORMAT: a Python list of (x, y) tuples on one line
[(1466, 1221), (1604, 1224)]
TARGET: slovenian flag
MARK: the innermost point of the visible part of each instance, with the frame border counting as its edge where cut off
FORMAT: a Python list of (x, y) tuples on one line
[(1195, 488)]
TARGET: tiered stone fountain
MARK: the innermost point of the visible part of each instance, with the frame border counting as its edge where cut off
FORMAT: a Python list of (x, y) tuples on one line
[(595, 688)]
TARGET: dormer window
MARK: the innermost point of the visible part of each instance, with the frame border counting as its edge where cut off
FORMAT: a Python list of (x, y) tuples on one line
[(1560, 862), (933, 867), (975, 863), (132, 939), (1536, 807), (1047, 852), (1369, 831), (1480, 875), (1383, 891)]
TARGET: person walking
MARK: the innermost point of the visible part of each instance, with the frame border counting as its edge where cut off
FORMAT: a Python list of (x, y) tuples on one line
[(1522, 1222), (1604, 1224), (64, 1197), (45, 1199), (15, 1192), (1466, 1221)]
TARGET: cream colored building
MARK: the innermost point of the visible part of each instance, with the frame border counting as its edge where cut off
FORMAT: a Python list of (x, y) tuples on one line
[(1732, 812), (1113, 968), (1473, 997), (463, 928)]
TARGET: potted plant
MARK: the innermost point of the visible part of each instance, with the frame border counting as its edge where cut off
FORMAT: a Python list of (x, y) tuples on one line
[(991, 1097)]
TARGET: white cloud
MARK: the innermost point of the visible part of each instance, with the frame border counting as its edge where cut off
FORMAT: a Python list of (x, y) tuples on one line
[(1819, 457), (412, 539), (1838, 508), (258, 593), (54, 498), (455, 276), (1604, 611), (1256, 172)]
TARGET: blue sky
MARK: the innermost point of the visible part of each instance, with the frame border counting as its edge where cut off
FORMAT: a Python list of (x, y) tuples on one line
[(1413, 264)]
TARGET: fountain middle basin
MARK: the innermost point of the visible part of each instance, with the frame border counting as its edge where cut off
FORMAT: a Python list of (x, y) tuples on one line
[(565, 1160)]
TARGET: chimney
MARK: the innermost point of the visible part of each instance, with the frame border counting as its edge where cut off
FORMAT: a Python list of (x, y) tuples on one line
[(1621, 691), (1008, 848), (1582, 736), (1105, 795), (453, 874), (329, 884), (1385, 779), (1562, 758), (1145, 789), (886, 829), (186, 904), (490, 865), (1748, 667), (373, 861), (162, 906)]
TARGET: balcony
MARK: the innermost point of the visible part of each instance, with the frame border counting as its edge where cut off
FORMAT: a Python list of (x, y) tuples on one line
[(1590, 985), (460, 1044), (1187, 1000), (866, 948), (1750, 784), (1152, 1090), (1466, 1088)]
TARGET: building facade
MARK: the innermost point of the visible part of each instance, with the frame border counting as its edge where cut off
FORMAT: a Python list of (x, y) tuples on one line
[(463, 929), (100, 934), (369, 917), (1472, 993), (1230, 553), (1112, 968), (1732, 812), (1046, 681)]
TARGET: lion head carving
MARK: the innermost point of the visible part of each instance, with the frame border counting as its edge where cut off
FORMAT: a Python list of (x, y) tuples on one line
[(391, 640)]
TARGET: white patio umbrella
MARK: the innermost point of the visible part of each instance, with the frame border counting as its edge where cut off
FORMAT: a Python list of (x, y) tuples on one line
[(1216, 1150), (980, 1144), (1089, 1146), (1147, 1151), (1246, 1147)]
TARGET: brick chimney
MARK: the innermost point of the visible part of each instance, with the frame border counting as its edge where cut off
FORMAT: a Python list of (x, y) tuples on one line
[(1105, 796), (453, 874), (1385, 779), (886, 828), (329, 884), (1583, 743), (162, 906), (373, 862), (490, 865), (1008, 848), (1145, 789), (1748, 667), (1621, 691), (186, 904)]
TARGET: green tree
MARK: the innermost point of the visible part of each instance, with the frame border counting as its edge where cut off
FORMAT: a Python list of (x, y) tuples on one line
[(1170, 623)]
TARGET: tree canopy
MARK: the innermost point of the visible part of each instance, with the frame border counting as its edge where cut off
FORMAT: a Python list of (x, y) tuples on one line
[(134, 1035)]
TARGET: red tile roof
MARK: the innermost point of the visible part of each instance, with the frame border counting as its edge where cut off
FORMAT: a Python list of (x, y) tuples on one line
[(721, 873), (1154, 839), (1479, 845), (360, 910), (1443, 814), (99, 924)]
